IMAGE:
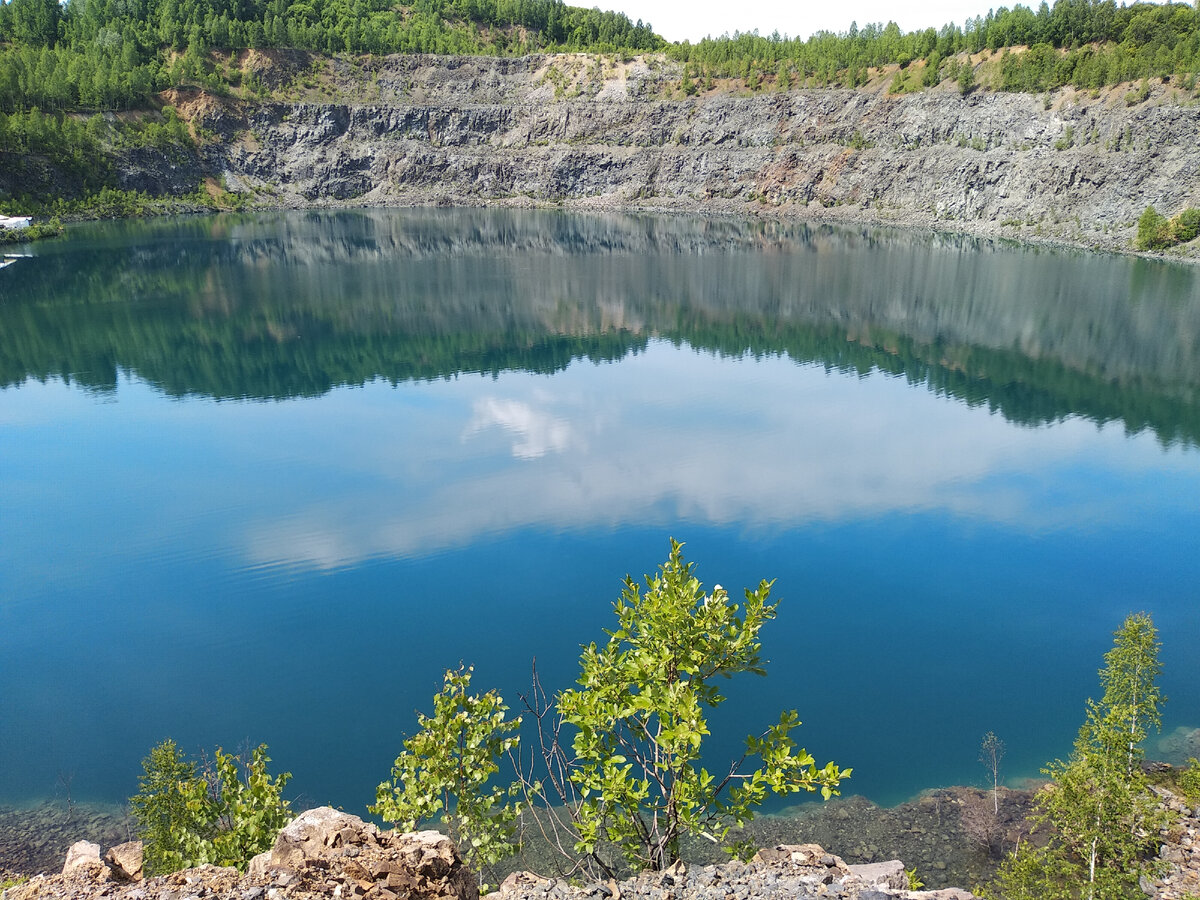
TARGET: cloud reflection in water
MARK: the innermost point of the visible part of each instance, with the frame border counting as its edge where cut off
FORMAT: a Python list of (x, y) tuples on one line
[(673, 435)]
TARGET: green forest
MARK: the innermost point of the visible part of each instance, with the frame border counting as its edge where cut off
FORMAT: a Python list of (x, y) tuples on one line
[(64, 64), (92, 55)]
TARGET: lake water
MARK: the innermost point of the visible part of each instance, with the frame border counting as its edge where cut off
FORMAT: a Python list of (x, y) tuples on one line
[(263, 478)]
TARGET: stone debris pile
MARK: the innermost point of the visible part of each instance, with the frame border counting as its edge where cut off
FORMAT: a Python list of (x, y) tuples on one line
[(1180, 853), (786, 872)]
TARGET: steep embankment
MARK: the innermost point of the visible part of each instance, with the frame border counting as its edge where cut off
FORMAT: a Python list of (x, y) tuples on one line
[(585, 131)]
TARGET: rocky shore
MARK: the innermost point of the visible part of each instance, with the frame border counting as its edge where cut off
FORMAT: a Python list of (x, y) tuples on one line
[(326, 854), (940, 834)]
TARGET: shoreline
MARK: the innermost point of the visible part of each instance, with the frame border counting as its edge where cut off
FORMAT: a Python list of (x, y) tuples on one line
[(926, 832), (838, 217)]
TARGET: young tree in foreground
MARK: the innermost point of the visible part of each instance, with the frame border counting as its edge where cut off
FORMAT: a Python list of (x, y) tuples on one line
[(159, 806), (1103, 823), (445, 769), (991, 752), (639, 719), (631, 779)]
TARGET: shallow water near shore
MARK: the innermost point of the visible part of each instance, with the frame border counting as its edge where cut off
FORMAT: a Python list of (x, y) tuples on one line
[(266, 477)]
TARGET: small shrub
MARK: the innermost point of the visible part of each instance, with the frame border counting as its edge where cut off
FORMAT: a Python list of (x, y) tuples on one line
[(966, 79), (858, 142), (1141, 95), (1189, 781), (224, 812), (1153, 230), (444, 771), (1185, 226), (159, 807)]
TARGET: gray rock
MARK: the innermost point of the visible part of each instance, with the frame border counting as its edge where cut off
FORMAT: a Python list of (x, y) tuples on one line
[(1082, 169), (887, 874)]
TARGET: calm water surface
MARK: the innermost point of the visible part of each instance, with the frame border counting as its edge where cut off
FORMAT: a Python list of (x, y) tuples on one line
[(265, 478)]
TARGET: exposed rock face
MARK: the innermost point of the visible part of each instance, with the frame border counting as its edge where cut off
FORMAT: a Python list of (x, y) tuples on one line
[(475, 130)]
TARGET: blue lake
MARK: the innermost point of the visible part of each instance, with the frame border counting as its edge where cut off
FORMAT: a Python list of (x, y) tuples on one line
[(264, 478)]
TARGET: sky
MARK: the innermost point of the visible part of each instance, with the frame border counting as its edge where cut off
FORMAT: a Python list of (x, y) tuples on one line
[(677, 20)]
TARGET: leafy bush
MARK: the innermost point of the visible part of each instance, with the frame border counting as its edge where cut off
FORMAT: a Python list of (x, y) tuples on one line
[(445, 768), (633, 782), (224, 812)]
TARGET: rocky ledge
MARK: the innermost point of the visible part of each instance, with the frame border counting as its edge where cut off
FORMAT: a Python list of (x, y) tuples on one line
[(325, 853)]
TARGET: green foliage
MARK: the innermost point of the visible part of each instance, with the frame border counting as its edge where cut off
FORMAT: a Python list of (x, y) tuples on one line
[(639, 715), (914, 883), (859, 142), (1102, 821), (160, 809), (35, 232), (1185, 226), (966, 78), (445, 771), (743, 849), (1156, 232), (235, 812), (1189, 781), (1153, 230), (686, 85), (224, 813)]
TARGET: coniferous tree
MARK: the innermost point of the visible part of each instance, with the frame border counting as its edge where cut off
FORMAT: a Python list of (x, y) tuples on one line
[(1103, 822)]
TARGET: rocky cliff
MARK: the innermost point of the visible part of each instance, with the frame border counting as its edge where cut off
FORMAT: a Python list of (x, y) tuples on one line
[(591, 132)]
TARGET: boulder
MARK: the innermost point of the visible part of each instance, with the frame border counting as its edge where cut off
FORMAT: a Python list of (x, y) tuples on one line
[(882, 874), (327, 847), (125, 861), (310, 835), (83, 858)]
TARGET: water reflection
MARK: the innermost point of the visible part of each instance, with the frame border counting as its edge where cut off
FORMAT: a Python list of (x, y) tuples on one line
[(295, 304)]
